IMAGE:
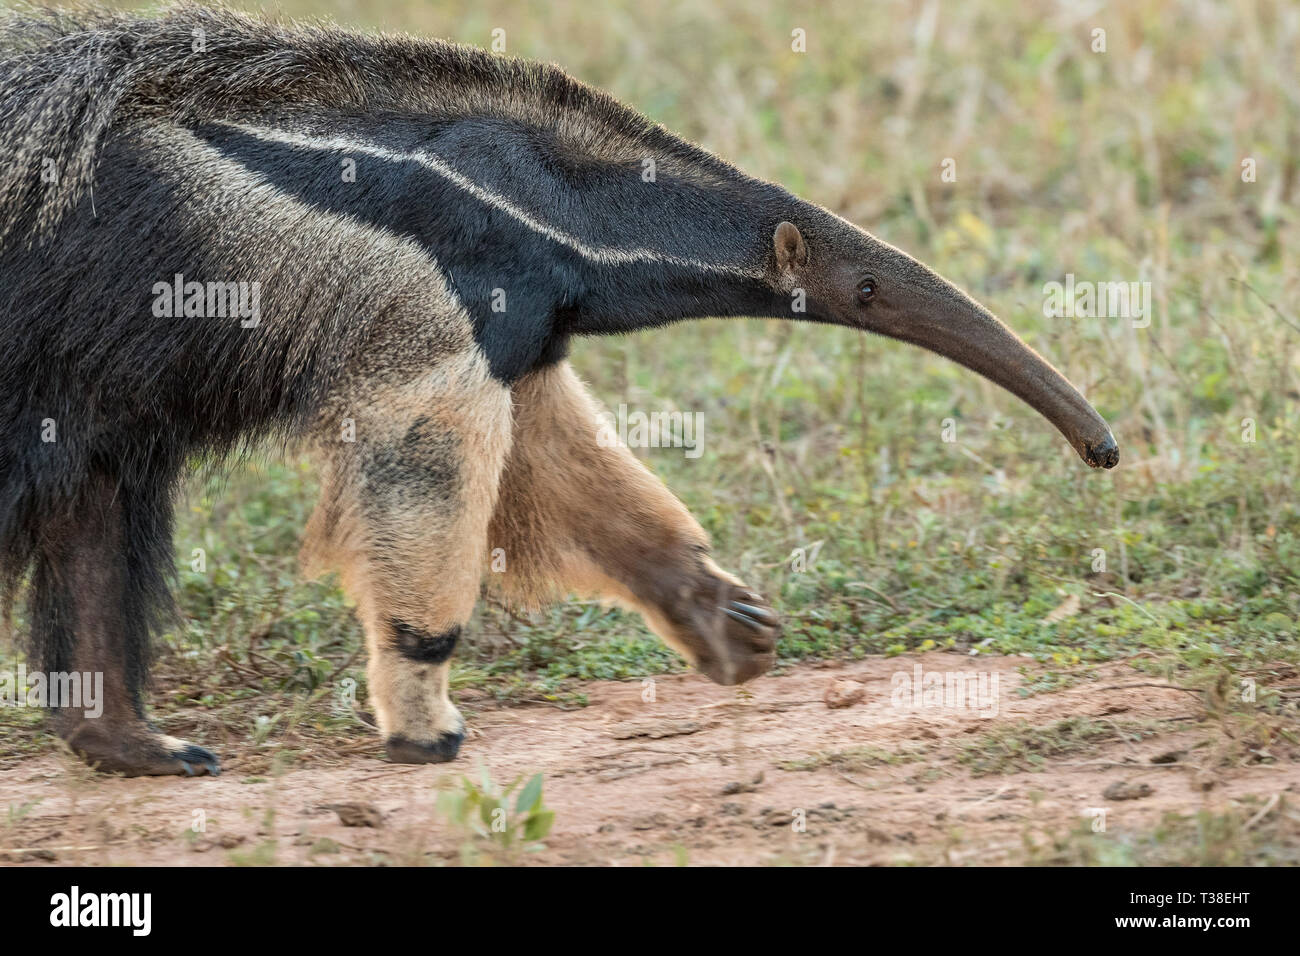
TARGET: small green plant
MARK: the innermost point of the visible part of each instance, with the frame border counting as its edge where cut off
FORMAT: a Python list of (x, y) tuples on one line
[(485, 812), (1022, 746), (261, 855)]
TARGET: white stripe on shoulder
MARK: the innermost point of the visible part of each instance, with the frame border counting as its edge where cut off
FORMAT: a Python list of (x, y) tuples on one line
[(604, 255)]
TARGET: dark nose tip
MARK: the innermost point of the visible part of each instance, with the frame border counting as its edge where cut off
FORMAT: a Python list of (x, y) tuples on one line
[(1104, 454)]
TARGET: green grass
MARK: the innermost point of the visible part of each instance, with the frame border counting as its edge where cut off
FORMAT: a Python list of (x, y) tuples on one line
[(1023, 746), (1200, 839)]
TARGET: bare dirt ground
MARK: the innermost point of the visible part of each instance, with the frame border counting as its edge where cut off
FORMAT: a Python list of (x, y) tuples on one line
[(707, 775)]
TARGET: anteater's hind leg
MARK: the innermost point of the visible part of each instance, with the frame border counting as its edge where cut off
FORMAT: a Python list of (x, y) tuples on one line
[(97, 583), (403, 517), (574, 516)]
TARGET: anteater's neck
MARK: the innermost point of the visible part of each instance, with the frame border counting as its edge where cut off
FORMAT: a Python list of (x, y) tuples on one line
[(537, 242)]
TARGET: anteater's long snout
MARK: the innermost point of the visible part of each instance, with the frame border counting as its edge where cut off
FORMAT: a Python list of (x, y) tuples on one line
[(949, 322), (1104, 454)]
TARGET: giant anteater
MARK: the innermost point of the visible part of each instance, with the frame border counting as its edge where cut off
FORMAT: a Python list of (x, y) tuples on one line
[(216, 230)]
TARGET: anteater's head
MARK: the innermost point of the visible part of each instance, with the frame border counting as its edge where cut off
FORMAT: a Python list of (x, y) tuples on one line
[(850, 278)]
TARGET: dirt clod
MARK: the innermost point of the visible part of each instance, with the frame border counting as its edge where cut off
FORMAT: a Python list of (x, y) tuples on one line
[(738, 786), (357, 814), (842, 693), (1123, 790)]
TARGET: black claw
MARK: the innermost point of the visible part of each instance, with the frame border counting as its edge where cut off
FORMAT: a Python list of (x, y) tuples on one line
[(759, 613), (743, 619), (196, 760)]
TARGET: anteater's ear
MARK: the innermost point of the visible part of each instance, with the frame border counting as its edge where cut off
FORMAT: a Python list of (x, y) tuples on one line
[(790, 248)]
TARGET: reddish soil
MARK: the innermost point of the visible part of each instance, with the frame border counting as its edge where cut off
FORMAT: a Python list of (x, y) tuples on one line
[(702, 774)]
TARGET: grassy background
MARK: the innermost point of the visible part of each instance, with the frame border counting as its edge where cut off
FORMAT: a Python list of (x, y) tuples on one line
[(1115, 166)]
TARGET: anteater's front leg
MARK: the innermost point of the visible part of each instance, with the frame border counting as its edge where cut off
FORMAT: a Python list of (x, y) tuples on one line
[(411, 480), (575, 515)]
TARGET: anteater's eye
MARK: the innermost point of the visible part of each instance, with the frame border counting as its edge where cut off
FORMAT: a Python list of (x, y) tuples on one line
[(867, 289)]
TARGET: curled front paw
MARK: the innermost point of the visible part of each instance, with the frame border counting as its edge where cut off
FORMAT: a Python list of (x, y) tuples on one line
[(750, 630), (731, 631)]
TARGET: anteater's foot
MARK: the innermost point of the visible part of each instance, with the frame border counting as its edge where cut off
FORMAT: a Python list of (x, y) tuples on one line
[(441, 749), (729, 630), (137, 750), (750, 629)]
